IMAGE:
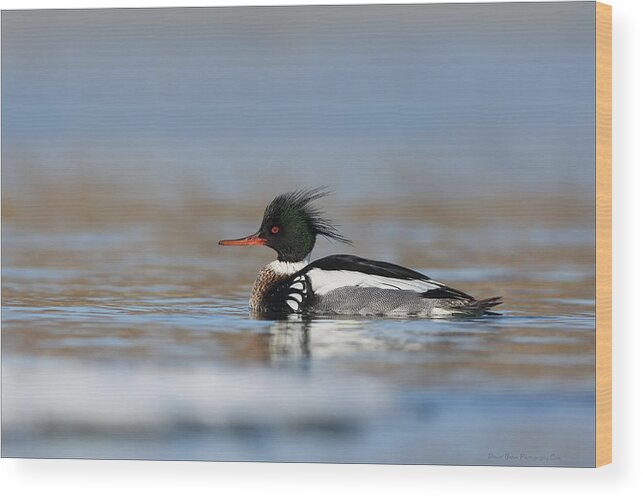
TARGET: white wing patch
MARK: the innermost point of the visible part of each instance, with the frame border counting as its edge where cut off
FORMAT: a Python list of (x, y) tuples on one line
[(297, 293), (325, 281), (294, 305)]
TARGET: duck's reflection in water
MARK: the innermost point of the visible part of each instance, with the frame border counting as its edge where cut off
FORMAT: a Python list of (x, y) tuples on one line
[(301, 338), (290, 339)]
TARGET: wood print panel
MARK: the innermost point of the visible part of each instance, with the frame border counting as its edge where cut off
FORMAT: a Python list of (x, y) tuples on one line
[(603, 234)]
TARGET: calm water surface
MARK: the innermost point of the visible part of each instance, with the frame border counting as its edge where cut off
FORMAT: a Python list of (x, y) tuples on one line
[(118, 343)]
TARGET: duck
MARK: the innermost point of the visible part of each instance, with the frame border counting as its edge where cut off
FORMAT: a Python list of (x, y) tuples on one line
[(340, 284)]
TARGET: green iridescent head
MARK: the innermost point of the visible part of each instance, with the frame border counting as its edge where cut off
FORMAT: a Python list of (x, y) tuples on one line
[(291, 224)]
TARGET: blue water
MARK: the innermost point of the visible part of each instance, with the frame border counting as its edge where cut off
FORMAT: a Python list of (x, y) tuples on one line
[(106, 357), (421, 100)]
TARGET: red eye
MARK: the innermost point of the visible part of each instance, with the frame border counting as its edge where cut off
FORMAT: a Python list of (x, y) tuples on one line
[(274, 230)]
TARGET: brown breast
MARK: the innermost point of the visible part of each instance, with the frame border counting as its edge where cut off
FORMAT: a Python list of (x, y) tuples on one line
[(265, 279)]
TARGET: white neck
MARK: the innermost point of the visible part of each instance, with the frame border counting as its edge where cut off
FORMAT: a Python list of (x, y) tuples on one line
[(286, 268)]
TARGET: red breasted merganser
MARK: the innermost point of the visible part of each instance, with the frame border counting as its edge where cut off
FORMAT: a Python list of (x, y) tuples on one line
[(339, 284)]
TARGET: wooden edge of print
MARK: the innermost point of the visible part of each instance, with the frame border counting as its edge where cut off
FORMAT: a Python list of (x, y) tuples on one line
[(603, 234)]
